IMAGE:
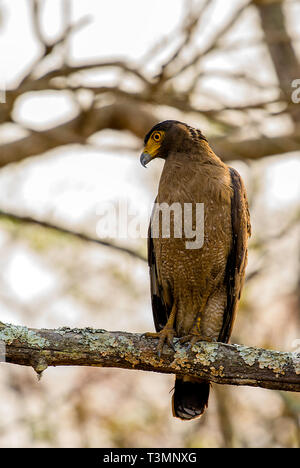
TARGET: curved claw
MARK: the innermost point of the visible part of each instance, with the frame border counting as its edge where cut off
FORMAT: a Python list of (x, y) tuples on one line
[(171, 344), (165, 335), (191, 339)]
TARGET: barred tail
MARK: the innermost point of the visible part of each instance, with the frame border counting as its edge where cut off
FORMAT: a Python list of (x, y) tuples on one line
[(190, 398)]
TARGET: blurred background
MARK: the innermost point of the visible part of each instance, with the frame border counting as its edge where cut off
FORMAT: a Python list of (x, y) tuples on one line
[(81, 83)]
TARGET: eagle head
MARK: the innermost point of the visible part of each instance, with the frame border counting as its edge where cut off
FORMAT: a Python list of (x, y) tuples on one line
[(169, 136)]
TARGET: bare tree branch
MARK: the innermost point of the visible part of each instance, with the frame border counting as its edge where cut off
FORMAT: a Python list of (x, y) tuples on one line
[(255, 148), (129, 116), (119, 116), (283, 55), (135, 111), (68, 28), (213, 44), (78, 235), (217, 362), (190, 24)]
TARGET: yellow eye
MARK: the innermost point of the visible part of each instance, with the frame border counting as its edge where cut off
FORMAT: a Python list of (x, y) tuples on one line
[(156, 136)]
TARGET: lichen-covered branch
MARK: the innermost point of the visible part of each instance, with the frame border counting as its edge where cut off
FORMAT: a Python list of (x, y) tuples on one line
[(216, 362)]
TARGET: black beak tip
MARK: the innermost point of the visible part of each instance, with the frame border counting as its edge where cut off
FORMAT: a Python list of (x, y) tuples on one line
[(143, 164), (144, 159)]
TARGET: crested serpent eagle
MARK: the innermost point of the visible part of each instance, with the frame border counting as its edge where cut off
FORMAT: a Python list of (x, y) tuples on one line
[(195, 291)]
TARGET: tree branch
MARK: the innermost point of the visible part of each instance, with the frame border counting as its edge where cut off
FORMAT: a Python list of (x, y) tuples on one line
[(118, 116), (130, 116), (229, 150), (78, 235), (217, 38), (283, 54), (217, 362), (135, 111)]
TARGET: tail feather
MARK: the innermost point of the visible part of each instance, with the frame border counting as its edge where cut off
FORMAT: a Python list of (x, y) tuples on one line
[(190, 398)]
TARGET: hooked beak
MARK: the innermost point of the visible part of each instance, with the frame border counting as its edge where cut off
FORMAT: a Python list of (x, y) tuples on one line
[(145, 158)]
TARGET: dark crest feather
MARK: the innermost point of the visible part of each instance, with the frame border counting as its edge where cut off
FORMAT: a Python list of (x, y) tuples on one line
[(166, 124)]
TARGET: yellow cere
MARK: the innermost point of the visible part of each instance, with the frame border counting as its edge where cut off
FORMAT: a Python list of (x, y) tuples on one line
[(154, 142)]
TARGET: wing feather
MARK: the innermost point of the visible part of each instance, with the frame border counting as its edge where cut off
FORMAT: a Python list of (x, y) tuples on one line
[(237, 259), (160, 309)]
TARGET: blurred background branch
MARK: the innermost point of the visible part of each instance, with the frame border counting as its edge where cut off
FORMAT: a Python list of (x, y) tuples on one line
[(79, 235), (129, 110), (80, 86)]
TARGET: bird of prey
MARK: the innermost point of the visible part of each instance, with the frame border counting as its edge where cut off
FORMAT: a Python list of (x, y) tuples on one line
[(195, 291)]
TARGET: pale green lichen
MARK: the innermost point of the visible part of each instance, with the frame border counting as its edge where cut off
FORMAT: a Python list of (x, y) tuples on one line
[(277, 364), (249, 355), (92, 341), (296, 362), (101, 341), (206, 353), (131, 353), (16, 332), (82, 331), (95, 343), (88, 337), (181, 359), (127, 343)]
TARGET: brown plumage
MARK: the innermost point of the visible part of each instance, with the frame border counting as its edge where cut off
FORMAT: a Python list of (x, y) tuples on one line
[(195, 292)]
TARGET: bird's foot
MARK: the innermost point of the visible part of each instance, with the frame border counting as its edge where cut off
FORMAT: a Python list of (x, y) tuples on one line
[(165, 335), (192, 339)]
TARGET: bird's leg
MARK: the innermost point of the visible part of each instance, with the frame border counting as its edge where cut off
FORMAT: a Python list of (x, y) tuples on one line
[(195, 335), (191, 338), (166, 334)]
